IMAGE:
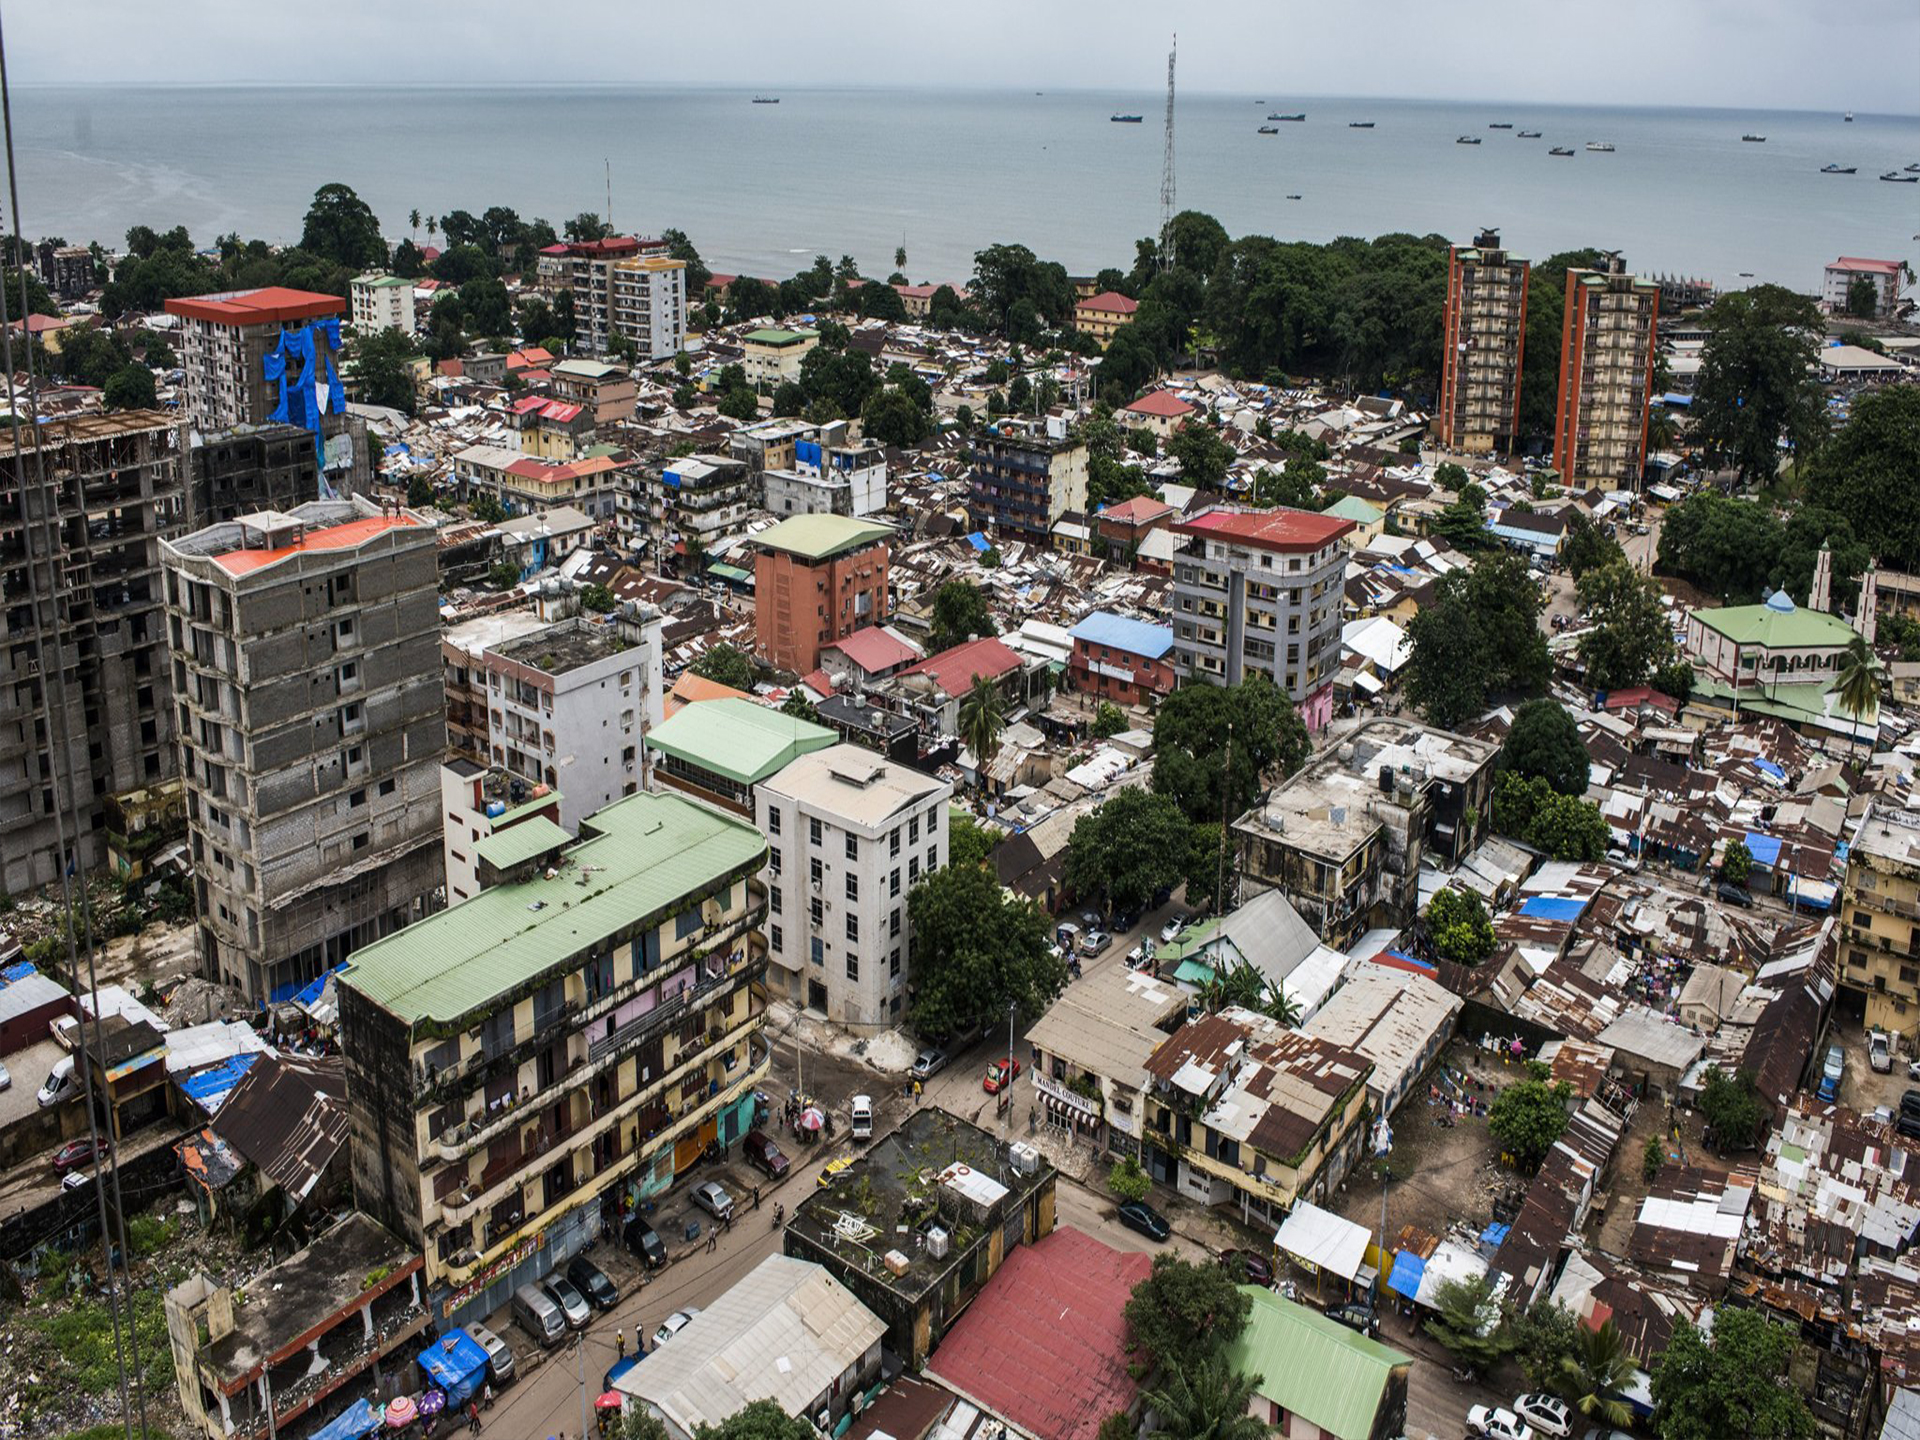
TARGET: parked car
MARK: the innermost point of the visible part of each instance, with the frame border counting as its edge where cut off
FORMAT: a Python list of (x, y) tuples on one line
[(1089, 920), (928, 1063), (1733, 894), (674, 1324), (6, 1080), (1910, 1103), (1598, 1434), (572, 1303), (1141, 956), (1880, 1052), (77, 1180), (1000, 1074), (1548, 1414), (1126, 920), (1907, 1124), (1095, 942), (763, 1154), (833, 1168), (860, 1117), (591, 1281), (61, 1083), (1170, 931), (1832, 1073), (1253, 1267), (644, 1241), (714, 1200), (499, 1353), (1140, 1216), (1497, 1424), (1356, 1317), (76, 1154)]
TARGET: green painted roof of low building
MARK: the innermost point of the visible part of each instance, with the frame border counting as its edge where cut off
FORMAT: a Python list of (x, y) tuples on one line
[(775, 336), (639, 857), (1352, 507), (1800, 703), (519, 843), (1312, 1366), (736, 738), (816, 537), (1777, 624)]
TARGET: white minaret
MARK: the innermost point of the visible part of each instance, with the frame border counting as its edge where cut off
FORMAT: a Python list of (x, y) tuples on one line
[(1869, 605), (1821, 596)]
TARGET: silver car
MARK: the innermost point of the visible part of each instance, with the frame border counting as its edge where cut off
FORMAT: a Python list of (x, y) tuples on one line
[(572, 1303), (714, 1200), (499, 1354), (674, 1324)]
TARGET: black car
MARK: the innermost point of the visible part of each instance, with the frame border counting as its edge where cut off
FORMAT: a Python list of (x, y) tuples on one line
[(591, 1281), (1137, 1215), (1908, 1124), (1733, 894), (643, 1240), (1355, 1317), (1910, 1103)]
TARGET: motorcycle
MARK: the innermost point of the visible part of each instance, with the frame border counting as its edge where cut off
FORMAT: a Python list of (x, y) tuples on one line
[(1464, 1374), (779, 1216)]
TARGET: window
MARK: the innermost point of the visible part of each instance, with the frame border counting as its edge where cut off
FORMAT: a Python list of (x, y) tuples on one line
[(819, 948), (773, 860), (913, 868), (816, 909), (357, 799), (933, 858), (773, 821), (686, 923), (387, 787), (777, 939), (893, 926), (773, 900), (913, 830), (853, 886), (815, 871), (813, 831), (853, 967), (893, 883), (853, 847), (853, 927), (893, 962), (893, 842)]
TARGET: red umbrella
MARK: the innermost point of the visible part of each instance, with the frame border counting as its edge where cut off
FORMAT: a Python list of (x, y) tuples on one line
[(612, 1400), (811, 1119), (400, 1412)]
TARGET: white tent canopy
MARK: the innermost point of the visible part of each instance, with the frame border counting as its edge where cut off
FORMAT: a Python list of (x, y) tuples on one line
[(1323, 1240)]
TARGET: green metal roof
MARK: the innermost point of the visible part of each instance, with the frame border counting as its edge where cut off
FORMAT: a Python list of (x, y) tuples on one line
[(640, 856), (1352, 507), (729, 572), (775, 336), (736, 738), (1313, 1366), (816, 537), (519, 843), (1774, 627)]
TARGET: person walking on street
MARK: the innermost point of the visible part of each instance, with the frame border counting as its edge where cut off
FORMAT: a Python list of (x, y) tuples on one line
[(713, 1241), (916, 1092), (620, 1340), (756, 1197)]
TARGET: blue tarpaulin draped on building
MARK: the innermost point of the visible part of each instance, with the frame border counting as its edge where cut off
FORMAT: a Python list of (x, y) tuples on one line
[(1765, 849), (1554, 907), (17, 971), (1495, 1235), (455, 1362), (356, 1421), (311, 993), (1407, 1270), (210, 1087)]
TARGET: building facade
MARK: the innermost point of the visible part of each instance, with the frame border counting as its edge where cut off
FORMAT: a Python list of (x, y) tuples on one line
[(849, 834), (528, 1065), (773, 355), (381, 302), (1608, 343), (692, 504), (1123, 660), (829, 477), (1102, 316), (817, 578), (1484, 337), (1836, 285), (648, 303), (1024, 479), (313, 720), (1259, 592), (1880, 923), (222, 346), (257, 467), (87, 679), (478, 802), (570, 706), (606, 392)]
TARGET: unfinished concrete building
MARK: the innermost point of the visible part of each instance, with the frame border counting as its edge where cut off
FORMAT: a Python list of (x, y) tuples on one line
[(250, 468), (313, 720), (81, 519)]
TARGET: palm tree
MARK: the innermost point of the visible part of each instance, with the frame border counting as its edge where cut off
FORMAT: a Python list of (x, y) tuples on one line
[(1208, 1402), (432, 225), (981, 721), (900, 256), (1858, 683), (1595, 1375), (413, 220), (1283, 1007)]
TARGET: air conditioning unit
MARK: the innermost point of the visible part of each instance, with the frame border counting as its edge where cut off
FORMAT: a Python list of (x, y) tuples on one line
[(939, 1242), (823, 1421), (1024, 1158)]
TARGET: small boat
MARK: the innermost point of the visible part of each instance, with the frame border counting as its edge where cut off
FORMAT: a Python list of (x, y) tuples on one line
[(1898, 178), (1754, 139), (1300, 116), (1529, 135), (1914, 169), (1559, 150), (1359, 124), (1604, 147), (1293, 197), (1848, 117), (1125, 119), (1468, 140), (766, 99), (1500, 125), (1838, 169), (1269, 130)]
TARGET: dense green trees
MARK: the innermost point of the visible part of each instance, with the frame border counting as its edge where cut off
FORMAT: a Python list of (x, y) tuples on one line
[(1467, 1320), (1123, 852), (1630, 636), (1479, 638), (1734, 1383), (1758, 386), (1461, 930), (380, 365), (1738, 549), (724, 665), (1202, 455), (959, 614), (129, 388), (1527, 1117), (1196, 728), (1869, 473), (341, 227), (976, 950), (1186, 1311), (1544, 741), (1733, 1108), (1564, 826)]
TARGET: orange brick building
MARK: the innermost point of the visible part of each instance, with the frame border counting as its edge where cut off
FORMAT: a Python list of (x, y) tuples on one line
[(816, 579)]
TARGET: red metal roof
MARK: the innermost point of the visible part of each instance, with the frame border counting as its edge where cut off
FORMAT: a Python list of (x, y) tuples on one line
[(1137, 511), (1162, 403), (1854, 262), (1045, 1343), (270, 305), (873, 649), (954, 670), (1110, 300), (1278, 529), (332, 537)]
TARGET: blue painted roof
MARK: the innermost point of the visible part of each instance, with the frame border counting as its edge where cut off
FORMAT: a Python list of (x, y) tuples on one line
[(1407, 1270), (1554, 907), (1765, 849), (977, 541), (1117, 632)]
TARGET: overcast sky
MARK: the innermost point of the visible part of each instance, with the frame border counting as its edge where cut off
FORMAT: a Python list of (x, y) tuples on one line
[(1761, 54)]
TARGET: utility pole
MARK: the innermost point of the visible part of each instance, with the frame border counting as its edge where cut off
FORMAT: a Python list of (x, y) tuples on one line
[(1166, 170)]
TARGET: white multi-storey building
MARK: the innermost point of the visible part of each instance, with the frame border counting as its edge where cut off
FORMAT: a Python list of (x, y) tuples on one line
[(850, 833), (569, 707), (829, 479), (649, 303), (382, 302)]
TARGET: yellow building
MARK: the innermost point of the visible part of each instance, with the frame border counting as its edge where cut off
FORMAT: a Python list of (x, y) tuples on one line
[(1102, 315), (772, 355), (1880, 921)]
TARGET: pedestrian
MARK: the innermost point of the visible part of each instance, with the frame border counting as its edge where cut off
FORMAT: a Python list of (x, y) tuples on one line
[(620, 1340), (916, 1092), (729, 1220), (713, 1241), (756, 1197)]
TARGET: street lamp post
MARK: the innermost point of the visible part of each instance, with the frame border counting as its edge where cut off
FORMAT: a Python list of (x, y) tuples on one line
[(1007, 1113)]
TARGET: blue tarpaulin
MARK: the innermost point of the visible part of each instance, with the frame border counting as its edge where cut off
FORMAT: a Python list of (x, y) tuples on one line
[(19, 970), (455, 1362), (1407, 1270), (311, 994), (1765, 849), (1494, 1236), (1554, 907), (1767, 767), (357, 1420), (978, 541), (210, 1087)]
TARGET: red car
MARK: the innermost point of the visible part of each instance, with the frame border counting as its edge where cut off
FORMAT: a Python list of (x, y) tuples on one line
[(1000, 1074), (77, 1153)]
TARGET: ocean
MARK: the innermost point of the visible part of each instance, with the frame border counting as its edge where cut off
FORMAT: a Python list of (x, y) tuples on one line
[(761, 189)]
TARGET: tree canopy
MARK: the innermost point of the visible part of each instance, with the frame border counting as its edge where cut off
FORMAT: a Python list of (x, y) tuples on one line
[(1202, 455), (1739, 549), (724, 665), (1527, 1117), (959, 614), (380, 365), (1461, 930), (976, 950), (1480, 637), (1630, 635), (1191, 736), (341, 227), (1128, 849), (1565, 826), (1733, 1108), (1544, 741), (1758, 385), (1869, 473), (759, 1420), (1185, 1312), (1736, 1383)]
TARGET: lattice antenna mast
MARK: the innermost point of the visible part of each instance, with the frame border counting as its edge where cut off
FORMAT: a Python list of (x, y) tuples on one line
[(1166, 170)]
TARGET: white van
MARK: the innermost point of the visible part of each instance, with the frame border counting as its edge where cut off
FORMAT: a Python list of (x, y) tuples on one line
[(537, 1314), (863, 1117), (61, 1083)]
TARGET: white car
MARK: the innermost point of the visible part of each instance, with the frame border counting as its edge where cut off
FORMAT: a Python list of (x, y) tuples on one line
[(1879, 1052), (1497, 1424), (1548, 1414), (674, 1324), (1170, 931), (6, 1080)]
